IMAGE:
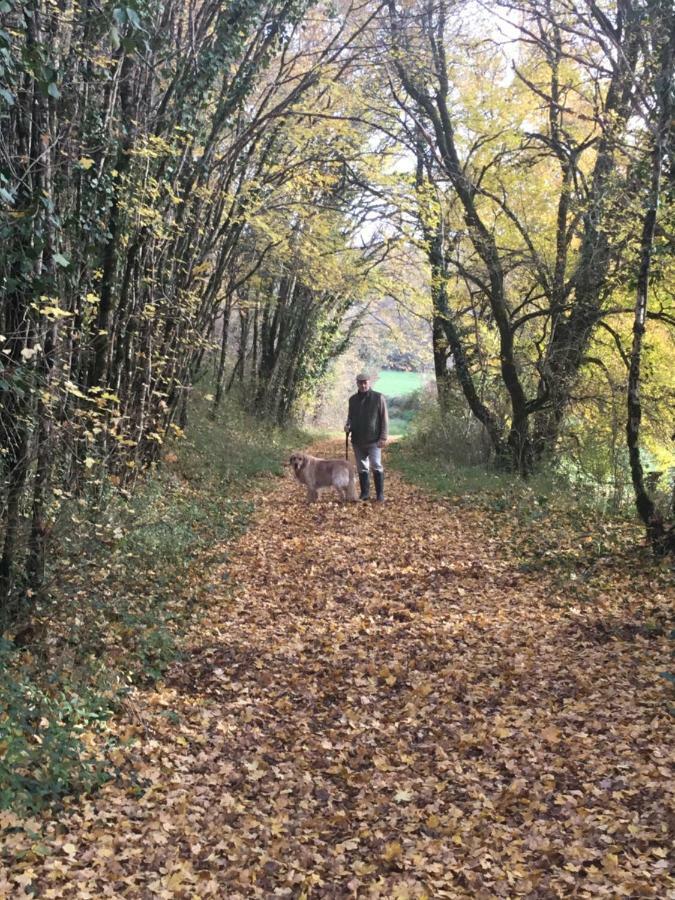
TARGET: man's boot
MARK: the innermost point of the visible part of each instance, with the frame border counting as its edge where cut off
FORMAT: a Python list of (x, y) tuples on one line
[(364, 481), (379, 485)]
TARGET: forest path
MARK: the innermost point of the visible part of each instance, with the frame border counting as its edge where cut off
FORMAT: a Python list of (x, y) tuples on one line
[(379, 704)]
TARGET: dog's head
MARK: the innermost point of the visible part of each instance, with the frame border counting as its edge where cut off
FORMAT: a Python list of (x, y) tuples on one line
[(298, 461)]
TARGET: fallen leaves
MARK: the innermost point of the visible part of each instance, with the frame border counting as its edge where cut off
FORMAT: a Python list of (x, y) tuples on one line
[(375, 704)]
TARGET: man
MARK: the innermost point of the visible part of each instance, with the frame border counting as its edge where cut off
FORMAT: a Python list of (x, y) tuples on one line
[(368, 422)]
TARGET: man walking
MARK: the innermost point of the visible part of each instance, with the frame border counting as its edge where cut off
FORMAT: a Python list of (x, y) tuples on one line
[(368, 422)]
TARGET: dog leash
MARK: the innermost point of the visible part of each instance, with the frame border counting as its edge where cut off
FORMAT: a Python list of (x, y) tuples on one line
[(347, 446)]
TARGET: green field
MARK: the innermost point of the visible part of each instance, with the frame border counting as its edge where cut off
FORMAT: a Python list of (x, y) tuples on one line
[(399, 384)]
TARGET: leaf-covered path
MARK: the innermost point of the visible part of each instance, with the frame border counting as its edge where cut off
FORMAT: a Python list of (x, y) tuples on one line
[(379, 704)]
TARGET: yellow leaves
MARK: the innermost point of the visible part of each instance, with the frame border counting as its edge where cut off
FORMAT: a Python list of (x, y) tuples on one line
[(107, 396), (403, 795), (173, 883), (74, 390), (85, 162), (153, 146), (255, 771), (277, 826), (348, 845), (55, 312), (392, 852), (148, 216), (610, 862), (175, 199), (363, 868), (26, 877), (424, 688), (103, 61), (387, 676)]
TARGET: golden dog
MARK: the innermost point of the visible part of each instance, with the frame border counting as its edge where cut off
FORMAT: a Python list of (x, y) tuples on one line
[(317, 473)]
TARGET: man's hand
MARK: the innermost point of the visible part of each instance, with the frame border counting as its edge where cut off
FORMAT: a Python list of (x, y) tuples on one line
[(382, 444), (347, 429)]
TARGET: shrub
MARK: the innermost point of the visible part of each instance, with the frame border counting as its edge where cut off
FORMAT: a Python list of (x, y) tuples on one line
[(455, 437)]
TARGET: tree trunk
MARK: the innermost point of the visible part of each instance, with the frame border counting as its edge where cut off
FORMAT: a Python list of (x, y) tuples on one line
[(661, 537), (220, 377)]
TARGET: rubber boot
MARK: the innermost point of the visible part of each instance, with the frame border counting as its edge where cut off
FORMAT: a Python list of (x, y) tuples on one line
[(379, 485), (365, 485)]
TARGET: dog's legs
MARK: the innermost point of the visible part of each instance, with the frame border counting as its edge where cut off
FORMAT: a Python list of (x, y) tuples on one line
[(312, 494), (351, 492)]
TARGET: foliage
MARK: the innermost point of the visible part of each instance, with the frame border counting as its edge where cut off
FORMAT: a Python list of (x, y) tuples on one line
[(42, 755), (528, 189), (120, 600)]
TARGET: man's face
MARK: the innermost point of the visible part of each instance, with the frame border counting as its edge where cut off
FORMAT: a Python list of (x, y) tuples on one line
[(362, 386)]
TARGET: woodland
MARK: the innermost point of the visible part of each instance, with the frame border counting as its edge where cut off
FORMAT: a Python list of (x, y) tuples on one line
[(211, 214), (180, 178)]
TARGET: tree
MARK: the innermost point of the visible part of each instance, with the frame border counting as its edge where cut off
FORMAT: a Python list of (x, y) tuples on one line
[(661, 536), (542, 304)]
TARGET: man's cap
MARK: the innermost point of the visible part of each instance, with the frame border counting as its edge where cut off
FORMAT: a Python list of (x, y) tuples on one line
[(363, 376)]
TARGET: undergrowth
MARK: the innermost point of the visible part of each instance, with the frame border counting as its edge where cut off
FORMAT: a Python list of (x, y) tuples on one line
[(119, 598)]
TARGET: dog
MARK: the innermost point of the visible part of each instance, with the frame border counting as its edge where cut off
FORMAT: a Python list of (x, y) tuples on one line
[(317, 473)]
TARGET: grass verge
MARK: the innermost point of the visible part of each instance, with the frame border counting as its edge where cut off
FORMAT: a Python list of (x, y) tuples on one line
[(122, 591), (546, 528)]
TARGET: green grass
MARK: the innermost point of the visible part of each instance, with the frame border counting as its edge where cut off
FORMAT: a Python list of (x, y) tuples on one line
[(399, 384), (401, 389)]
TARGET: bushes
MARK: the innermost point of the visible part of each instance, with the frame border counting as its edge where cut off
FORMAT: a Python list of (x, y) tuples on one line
[(457, 438), (42, 756), (402, 411)]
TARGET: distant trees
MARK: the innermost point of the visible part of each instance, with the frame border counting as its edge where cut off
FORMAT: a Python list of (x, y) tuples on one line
[(315, 266)]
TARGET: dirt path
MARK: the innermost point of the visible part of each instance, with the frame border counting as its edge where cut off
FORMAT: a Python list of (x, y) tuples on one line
[(378, 705)]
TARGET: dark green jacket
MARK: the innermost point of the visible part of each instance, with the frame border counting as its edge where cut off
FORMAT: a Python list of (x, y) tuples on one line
[(368, 418)]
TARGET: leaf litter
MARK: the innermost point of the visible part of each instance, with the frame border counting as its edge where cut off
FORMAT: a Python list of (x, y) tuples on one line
[(378, 703)]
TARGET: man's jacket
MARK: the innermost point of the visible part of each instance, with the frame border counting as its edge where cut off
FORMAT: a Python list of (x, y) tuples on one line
[(368, 418)]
